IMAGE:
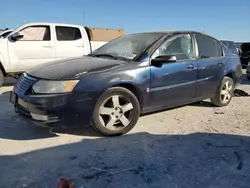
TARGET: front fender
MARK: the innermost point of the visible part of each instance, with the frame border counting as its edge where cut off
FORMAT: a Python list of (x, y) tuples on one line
[(97, 83), (4, 64), (4, 55)]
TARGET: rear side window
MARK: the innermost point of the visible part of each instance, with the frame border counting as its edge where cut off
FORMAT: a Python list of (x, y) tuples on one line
[(67, 33), (207, 47)]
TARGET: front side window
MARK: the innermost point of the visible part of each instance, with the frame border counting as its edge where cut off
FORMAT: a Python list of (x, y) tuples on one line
[(180, 46), (206, 46), (35, 33), (68, 33)]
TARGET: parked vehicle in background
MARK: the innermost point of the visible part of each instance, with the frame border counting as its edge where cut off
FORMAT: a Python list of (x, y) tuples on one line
[(129, 76), (248, 71), (5, 33), (238, 44), (37, 43), (231, 46), (245, 54)]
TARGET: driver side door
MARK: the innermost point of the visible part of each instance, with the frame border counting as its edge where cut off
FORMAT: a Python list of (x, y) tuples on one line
[(174, 83), (33, 48)]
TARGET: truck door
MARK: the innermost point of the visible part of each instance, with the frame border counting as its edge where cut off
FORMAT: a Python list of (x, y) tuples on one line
[(68, 42), (33, 47)]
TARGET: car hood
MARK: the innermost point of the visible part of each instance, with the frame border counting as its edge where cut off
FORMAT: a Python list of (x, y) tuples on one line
[(72, 68)]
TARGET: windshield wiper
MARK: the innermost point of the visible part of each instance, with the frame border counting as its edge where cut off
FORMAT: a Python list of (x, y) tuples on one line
[(104, 54)]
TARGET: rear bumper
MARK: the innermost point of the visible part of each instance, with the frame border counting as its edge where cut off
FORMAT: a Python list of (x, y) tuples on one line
[(55, 111)]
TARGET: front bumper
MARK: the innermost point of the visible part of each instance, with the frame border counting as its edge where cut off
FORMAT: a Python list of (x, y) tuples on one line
[(55, 111)]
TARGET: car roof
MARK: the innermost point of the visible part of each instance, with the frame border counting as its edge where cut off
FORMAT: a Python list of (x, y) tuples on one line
[(227, 41), (176, 32)]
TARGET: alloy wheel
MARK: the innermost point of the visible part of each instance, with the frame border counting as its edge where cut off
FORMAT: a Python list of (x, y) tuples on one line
[(116, 112), (226, 92)]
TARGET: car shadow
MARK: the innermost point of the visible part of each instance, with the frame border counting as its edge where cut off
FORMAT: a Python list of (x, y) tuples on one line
[(245, 81), (79, 131), (135, 160), (205, 104)]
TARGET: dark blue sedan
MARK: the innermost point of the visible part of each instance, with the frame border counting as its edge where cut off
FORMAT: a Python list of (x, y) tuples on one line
[(129, 76)]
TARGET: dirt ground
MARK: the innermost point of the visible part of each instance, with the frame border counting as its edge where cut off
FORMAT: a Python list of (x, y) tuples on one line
[(193, 146)]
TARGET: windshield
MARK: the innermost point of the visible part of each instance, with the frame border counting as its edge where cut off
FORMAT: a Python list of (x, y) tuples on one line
[(127, 47), (231, 46), (5, 34)]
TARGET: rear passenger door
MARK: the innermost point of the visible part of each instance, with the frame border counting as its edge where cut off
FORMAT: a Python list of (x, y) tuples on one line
[(211, 65), (68, 42)]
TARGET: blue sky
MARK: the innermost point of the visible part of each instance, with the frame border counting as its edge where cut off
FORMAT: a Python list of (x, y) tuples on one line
[(224, 19)]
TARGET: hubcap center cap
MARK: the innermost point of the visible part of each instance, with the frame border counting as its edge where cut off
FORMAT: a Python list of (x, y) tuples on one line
[(117, 113)]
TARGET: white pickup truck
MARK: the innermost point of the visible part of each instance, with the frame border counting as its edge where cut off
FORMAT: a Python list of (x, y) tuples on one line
[(5, 33), (37, 43)]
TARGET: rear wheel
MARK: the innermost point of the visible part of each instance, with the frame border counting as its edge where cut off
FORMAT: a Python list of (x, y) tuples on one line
[(116, 112), (224, 94), (1, 78)]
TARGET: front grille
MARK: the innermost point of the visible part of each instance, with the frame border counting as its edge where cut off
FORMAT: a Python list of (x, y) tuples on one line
[(24, 83)]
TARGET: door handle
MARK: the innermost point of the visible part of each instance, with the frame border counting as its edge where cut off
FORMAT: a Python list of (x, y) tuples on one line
[(47, 46), (190, 67), (80, 45), (220, 63)]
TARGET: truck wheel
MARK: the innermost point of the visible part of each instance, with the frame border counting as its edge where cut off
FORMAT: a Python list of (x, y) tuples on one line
[(1, 78), (224, 94), (116, 112)]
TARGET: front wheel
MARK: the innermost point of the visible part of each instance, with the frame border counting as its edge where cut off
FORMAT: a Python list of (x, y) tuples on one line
[(116, 112), (224, 94)]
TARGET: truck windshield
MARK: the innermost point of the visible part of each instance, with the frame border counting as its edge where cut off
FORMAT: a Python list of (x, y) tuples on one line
[(127, 47), (4, 35)]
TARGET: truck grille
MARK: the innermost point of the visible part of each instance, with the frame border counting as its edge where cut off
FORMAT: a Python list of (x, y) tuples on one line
[(24, 83)]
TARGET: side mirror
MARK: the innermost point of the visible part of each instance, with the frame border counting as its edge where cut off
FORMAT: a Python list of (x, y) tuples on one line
[(17, 36), (159, 60)]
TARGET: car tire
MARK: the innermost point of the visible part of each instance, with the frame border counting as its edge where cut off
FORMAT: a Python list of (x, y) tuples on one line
[(1, 78), (224, 94), (110, 117)]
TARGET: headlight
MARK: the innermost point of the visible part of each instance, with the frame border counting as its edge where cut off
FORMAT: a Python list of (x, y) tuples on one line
[(44, 86)]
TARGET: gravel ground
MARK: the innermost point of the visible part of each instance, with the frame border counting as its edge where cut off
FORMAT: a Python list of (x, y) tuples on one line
[(192, 146)]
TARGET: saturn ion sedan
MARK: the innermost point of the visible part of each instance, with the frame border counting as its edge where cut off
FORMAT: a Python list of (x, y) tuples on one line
[(129, 76)]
